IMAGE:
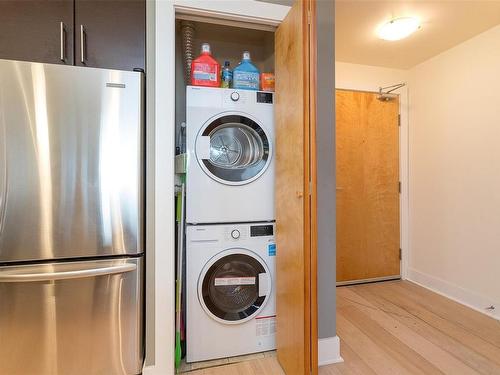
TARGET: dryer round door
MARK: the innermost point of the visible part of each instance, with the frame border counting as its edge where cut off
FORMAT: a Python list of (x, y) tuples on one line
[(233, 149), (234, 286)]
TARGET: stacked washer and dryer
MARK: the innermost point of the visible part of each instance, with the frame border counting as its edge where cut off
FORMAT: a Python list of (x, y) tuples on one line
[(230, 247)]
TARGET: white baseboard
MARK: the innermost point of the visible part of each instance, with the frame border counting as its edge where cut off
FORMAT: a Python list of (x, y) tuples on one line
[(158, 370), (154, 370), (329, 351), (456, 293)]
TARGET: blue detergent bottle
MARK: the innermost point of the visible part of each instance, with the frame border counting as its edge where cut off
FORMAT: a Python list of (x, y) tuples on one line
[(246, 75)]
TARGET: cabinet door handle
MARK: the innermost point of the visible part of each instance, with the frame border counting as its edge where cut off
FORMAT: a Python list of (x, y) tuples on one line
[(63, 41), (83, 39)]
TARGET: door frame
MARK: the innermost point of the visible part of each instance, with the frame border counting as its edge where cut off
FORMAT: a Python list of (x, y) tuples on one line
[(404, 240), (160, 123)]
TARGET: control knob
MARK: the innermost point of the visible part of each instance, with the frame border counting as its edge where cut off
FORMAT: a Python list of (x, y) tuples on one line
[(235, 234), (235, 96)]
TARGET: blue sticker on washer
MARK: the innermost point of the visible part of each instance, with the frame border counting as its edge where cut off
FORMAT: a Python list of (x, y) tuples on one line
[(271, 248)]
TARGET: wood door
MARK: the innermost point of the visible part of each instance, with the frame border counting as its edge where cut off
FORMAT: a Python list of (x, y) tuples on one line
[(113, 33), (30, 30), (367, 154), (295, 190)]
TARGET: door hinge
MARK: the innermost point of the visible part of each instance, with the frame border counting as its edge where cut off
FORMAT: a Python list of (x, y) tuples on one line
[(308, 17), (400, 254), (399, 187), (399, 120)]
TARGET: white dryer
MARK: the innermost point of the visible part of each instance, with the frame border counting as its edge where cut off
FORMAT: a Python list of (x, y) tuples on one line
[(230, 297), (230, 166)]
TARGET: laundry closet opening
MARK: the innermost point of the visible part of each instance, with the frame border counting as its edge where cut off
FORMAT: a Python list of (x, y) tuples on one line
[(225, 166)]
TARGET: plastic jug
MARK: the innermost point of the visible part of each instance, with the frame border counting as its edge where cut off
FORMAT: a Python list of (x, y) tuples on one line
[(246, 75), (226, 76), (205, 70)]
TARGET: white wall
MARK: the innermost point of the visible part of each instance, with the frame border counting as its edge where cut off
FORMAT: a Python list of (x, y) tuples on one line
[(150, 183), (366, 77), (160, 254), (455, 172), (370, 78)]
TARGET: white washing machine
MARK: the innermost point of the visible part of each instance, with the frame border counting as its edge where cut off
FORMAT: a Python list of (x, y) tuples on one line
[(230, 283), (230, 166)]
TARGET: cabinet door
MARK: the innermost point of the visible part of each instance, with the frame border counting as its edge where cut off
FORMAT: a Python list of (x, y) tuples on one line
[(38, 30), (295, 192), (110, 33)]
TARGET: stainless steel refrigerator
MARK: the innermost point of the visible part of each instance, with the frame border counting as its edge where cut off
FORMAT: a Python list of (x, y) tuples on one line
[(71, 220)]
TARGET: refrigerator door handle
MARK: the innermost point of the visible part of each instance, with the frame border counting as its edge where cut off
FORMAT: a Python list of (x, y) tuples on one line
[(9, 277)]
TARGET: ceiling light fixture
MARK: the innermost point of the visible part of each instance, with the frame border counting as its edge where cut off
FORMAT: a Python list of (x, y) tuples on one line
[(398, 28)]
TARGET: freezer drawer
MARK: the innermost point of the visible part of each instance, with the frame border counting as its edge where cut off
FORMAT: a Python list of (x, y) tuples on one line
[(72, 318)]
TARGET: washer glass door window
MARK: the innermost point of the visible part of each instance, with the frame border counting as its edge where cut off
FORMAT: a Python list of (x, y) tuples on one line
[(230, 289), (240, 150)]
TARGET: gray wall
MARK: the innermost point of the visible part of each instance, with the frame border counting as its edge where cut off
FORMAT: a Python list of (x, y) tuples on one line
[(325, 143)]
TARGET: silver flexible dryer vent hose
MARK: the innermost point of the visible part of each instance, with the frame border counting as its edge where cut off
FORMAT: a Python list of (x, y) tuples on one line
[(187, 32)]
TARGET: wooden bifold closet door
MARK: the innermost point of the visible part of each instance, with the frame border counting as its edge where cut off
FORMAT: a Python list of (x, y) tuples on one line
[(295, 192), (367, 160)]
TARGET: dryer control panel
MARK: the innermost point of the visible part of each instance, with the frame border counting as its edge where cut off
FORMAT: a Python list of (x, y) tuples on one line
[(264, 97)]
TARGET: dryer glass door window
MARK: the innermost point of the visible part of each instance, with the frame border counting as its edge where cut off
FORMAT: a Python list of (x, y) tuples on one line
[(230, 289), (239, 150)]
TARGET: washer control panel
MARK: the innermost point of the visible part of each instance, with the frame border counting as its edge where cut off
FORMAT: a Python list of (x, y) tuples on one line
[(243, 232)]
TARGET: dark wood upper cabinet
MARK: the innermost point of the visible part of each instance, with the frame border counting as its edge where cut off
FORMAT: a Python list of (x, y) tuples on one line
[(110, 33), (38, 30), (113, 32)]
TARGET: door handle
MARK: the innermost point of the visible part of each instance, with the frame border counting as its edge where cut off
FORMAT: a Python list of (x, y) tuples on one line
[(83, 41), (264, 284), (7, 277), (203, 147), (62, 36)]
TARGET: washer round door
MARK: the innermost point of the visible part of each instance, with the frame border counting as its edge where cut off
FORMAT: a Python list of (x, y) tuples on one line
[(233, 149), (234, 286)]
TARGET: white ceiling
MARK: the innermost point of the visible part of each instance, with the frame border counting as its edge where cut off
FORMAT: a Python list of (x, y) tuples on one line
[(445, 24)]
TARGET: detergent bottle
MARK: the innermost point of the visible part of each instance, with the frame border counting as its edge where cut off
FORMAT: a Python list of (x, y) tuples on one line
[(226, 76), (246, 75), (205, 70)]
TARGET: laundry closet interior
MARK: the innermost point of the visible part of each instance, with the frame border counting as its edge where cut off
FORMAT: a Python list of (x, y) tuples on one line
[(246, 256), (225, 237)]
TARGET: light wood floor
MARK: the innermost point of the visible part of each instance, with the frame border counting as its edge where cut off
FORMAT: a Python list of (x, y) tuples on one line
[(260, 366), (189, 368), (398, 328)]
